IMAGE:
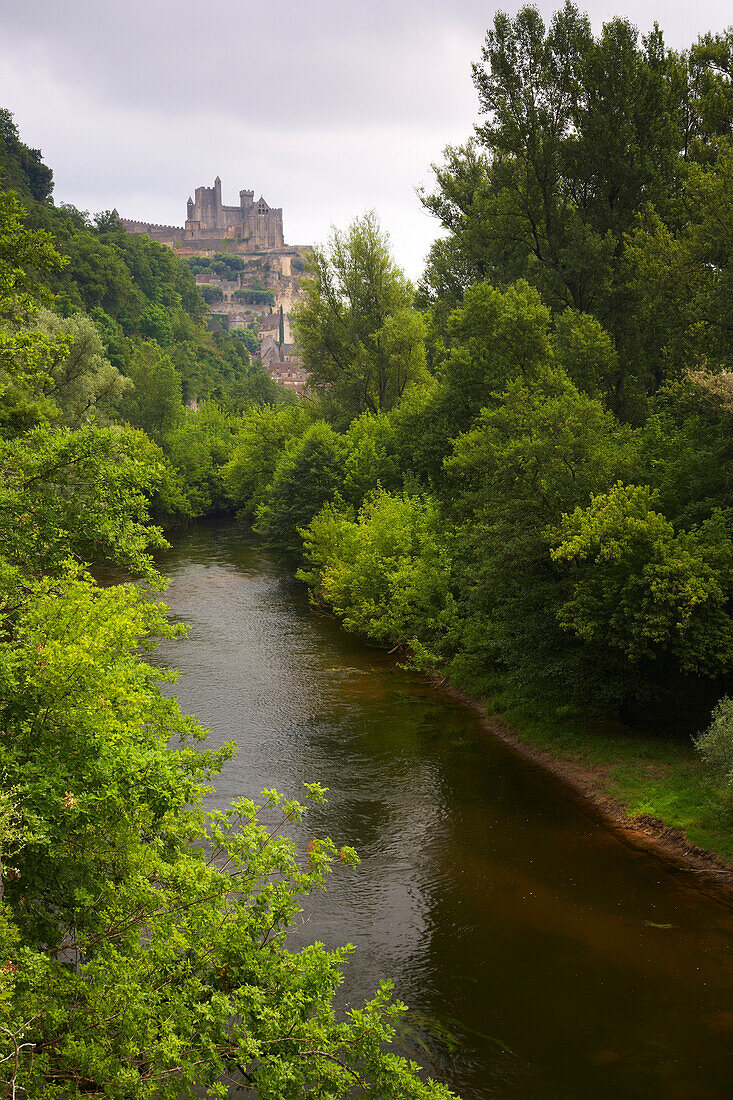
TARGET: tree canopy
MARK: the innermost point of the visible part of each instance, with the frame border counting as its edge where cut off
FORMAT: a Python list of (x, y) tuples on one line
[(521, 479), (361, 340)]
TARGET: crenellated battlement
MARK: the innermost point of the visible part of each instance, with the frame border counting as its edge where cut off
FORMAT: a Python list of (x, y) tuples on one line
[(143, 227), (254, 225)]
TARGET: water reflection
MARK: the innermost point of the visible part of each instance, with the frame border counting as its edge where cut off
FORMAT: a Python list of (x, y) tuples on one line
[(540, 956)]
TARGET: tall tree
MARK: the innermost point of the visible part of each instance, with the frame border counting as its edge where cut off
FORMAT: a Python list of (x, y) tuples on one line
[(361, 339), (582, 133)]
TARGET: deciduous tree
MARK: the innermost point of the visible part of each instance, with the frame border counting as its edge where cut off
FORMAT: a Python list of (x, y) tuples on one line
[(362, 342)]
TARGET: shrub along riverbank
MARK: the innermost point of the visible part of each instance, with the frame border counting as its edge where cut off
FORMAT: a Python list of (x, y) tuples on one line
[(520, 478)]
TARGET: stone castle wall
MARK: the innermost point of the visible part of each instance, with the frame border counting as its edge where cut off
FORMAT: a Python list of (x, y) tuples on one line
[(251, 227), (253, 221), (164, 234)]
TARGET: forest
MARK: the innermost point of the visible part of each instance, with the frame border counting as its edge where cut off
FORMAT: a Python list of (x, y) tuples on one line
[(516, 475)]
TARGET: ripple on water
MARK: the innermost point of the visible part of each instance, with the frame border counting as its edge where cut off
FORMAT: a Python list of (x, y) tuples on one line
[(540, 957)]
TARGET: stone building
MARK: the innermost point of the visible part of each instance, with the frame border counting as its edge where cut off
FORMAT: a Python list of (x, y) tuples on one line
[(283, 364), (253, 230), (254, 224)]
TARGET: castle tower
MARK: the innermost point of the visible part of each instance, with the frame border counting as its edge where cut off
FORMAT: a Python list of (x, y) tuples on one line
[(255, 222)]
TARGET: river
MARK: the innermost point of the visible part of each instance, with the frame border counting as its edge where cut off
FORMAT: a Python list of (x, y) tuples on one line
[(539, 955)]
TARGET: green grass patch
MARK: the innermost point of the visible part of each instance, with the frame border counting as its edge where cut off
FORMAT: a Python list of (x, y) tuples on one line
[(646, 774)]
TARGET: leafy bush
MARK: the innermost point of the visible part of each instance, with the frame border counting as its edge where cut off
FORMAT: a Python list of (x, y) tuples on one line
[(234, 263), (156, 325), (249, 338), (387, 573), (263, 435), (715, 744), (198, 447), (371, 460), (256, 297), (306, 477), (640, 587), (211, 293)]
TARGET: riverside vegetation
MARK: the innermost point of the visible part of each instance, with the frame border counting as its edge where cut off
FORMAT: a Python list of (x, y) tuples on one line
[(519, 476), (142, 937)]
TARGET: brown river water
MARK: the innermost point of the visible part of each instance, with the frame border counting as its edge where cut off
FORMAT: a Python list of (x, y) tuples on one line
[(538, 954)]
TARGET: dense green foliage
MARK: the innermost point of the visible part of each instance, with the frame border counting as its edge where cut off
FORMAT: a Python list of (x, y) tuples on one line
[(361, 340), (255, 297), (601, 161), (385, 571), (23, 170), (552, 511), (520, 478), (211, 293), (142, 938), (221, 264), (715, 745)]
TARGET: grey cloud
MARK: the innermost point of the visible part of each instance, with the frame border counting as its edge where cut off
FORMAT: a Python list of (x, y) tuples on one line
[(293, 61), (327, 107)]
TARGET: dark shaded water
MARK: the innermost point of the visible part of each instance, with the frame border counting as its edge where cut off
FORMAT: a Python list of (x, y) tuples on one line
[(540, 957)]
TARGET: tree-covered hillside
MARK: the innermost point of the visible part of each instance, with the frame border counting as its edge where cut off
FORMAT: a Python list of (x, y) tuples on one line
[(519, 477), (142, 938), (132, 303)]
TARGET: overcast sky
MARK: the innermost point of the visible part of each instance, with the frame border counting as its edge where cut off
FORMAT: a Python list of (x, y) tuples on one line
[(328, 109)]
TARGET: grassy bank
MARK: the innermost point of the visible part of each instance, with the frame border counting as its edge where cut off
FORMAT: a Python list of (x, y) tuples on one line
[(656, 783)]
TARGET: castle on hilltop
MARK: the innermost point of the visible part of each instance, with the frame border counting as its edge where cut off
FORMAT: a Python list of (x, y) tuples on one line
[(260, 289), (254, 225), (251, 221)]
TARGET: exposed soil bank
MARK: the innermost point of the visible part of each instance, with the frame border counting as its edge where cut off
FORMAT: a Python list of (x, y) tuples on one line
[(540, 957), (699, 868)]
